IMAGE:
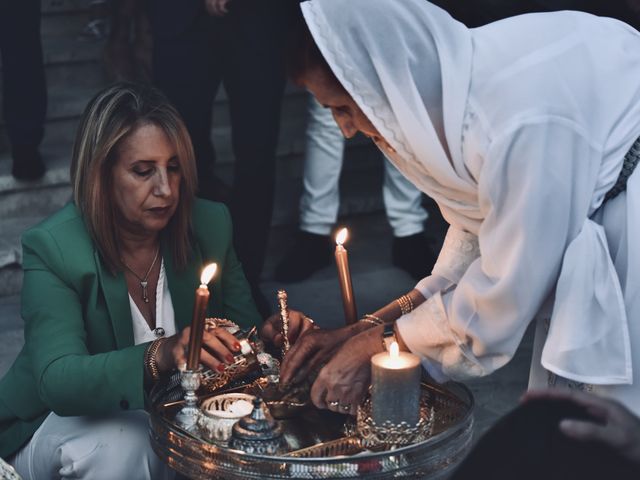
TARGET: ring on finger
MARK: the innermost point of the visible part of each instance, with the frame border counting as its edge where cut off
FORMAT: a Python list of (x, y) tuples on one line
[(333, 404), (313, 324), (346, 407), (210, 324)]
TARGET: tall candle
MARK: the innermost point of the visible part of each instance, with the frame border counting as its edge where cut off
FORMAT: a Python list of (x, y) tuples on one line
[(199, 312), (344, 276), (395, 387)]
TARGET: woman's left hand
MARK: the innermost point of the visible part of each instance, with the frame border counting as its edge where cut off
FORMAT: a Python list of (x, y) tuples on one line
[(343, 381), (272, 327)]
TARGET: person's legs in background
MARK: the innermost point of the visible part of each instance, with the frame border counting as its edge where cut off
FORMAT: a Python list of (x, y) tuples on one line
[(24, 89), (320, 200), (187, 67), (411, 251), (254, 78)]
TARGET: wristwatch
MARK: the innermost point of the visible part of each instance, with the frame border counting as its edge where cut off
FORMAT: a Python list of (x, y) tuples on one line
[(388, 335)]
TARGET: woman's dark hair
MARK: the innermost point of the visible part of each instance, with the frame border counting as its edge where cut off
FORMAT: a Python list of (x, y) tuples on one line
[(303, 53)]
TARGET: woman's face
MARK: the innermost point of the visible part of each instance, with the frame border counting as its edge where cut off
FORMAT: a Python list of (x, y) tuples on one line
[(330, 94), (146, 180)]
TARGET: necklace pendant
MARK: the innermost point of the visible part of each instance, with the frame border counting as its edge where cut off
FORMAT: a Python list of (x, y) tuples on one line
[(145, 297)]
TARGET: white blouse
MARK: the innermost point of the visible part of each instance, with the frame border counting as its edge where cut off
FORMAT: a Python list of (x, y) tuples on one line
[(165, 318)]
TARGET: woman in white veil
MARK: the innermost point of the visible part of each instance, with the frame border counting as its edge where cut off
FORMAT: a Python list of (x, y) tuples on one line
[(522, 132)]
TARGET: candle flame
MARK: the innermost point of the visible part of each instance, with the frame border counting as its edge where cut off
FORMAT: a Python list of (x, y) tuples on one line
[(341, 237), (394, 350), (208, 272)]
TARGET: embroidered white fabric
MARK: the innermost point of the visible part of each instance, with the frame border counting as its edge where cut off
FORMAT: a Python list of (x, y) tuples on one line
[(459, 250)]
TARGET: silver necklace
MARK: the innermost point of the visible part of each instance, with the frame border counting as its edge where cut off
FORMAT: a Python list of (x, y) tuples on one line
[(143, 280)]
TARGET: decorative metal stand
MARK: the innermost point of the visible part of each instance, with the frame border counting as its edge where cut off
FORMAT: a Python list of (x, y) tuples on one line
[(258, 433), (187, 418)]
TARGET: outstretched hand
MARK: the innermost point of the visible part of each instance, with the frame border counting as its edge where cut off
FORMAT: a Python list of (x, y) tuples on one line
[(615, 425), (343, 382), (311, 351)]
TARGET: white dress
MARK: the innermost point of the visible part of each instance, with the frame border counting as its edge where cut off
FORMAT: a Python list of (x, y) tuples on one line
[(517, 130)]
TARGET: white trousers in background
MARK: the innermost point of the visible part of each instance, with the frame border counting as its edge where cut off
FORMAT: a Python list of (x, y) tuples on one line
[(321, 196), (112, 448)]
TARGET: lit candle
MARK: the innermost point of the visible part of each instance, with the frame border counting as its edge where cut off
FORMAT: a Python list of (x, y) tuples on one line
[(344, 276), (199, 312), (395, 387)]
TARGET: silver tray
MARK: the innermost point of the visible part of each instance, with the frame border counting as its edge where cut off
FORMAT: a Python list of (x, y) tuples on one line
[(318, 447)]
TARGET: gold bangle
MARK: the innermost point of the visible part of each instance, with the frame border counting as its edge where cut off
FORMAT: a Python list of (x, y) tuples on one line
[(405, 303), (372, 319), (150, 360)]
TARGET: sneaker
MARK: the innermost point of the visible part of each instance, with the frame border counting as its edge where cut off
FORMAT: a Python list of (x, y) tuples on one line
[(414, 255), (27, 163), (308, 254)]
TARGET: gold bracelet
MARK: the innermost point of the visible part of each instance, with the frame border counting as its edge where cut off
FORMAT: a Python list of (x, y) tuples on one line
[(405, 303), (150, 360), (372, 319)]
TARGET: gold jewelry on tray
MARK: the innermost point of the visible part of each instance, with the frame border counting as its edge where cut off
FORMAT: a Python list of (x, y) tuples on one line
[(405, 303), (150, 358)]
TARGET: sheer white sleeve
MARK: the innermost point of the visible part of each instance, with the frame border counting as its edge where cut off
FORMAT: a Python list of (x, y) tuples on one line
[(534, 192), (458, 251)]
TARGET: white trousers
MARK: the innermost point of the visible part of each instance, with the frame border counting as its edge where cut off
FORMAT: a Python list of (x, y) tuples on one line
[(116, 447), (322, 165)]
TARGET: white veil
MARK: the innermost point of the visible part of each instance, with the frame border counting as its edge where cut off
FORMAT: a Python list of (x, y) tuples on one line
[(401, 61)]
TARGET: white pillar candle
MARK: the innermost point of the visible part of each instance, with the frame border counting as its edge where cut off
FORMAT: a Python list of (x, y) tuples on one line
[(395, 387)]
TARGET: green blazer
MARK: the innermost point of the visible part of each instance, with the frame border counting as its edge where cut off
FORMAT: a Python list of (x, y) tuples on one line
[(79, 357)]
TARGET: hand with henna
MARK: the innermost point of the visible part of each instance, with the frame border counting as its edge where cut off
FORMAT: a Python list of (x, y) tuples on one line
[(271, 329), (311, 351), (343, 382)]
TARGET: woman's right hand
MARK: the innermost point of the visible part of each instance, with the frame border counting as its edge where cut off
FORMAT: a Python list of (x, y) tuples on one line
[(312, 350), (218, 347)]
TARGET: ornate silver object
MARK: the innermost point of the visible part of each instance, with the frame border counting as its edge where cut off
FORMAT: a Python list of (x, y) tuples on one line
[(187, 417), (284, 316), (390, 435), (257, 433), (317, 445), (220, 413)]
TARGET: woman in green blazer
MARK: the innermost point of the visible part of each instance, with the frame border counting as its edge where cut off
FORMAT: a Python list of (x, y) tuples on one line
[(108, 293)]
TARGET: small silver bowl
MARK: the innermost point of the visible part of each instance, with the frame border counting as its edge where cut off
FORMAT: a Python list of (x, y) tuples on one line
[(219, 414)]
